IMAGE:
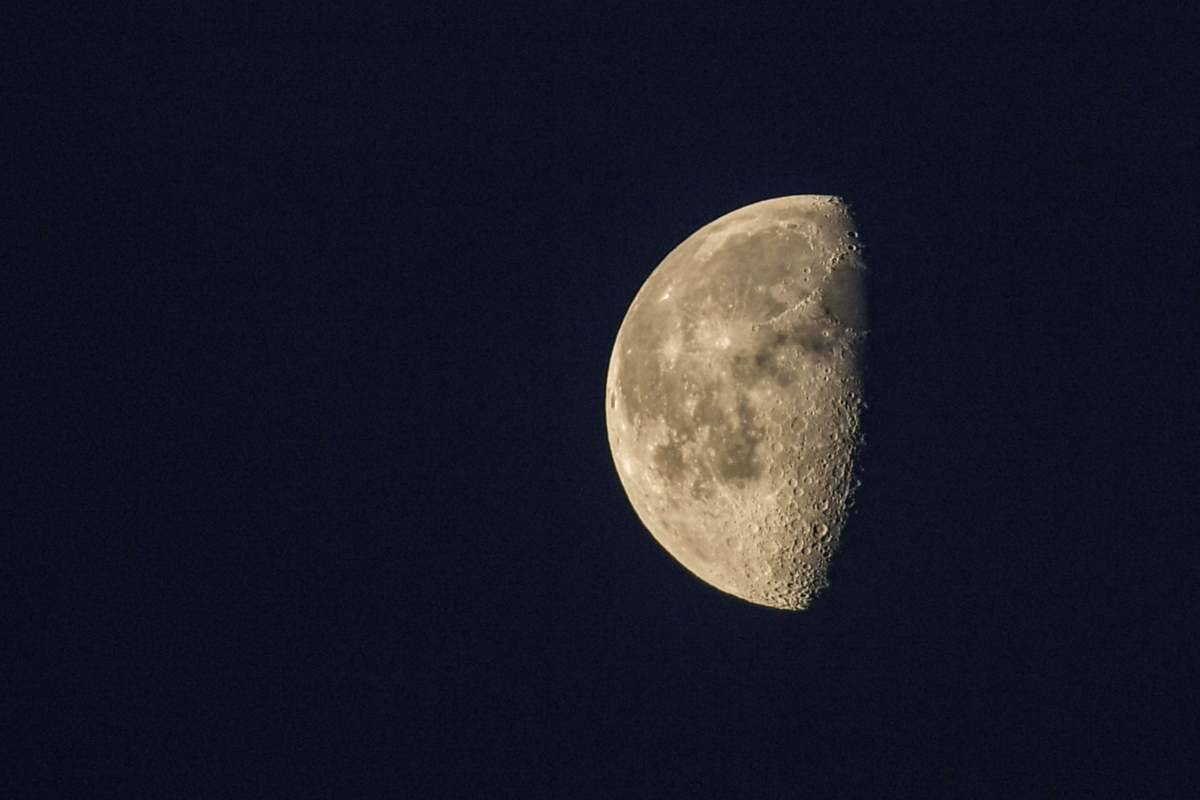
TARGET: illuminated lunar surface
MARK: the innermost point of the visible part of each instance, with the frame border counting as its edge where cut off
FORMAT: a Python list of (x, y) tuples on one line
[(734, 395)]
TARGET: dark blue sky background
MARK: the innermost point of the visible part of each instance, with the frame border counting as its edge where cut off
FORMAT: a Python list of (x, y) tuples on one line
[(314, 312)]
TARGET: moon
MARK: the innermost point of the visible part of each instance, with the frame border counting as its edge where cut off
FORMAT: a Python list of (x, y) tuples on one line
[(734, 395)]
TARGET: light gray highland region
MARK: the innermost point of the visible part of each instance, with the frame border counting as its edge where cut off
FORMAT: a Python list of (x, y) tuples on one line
[(734, 394)]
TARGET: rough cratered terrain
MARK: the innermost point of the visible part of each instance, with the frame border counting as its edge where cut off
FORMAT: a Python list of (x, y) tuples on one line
[(734, 392)]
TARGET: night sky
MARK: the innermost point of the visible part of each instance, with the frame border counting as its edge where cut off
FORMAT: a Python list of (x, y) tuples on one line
[(313, 313)]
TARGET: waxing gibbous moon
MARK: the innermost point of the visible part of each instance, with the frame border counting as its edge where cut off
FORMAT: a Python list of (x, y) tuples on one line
[(734, 395)]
